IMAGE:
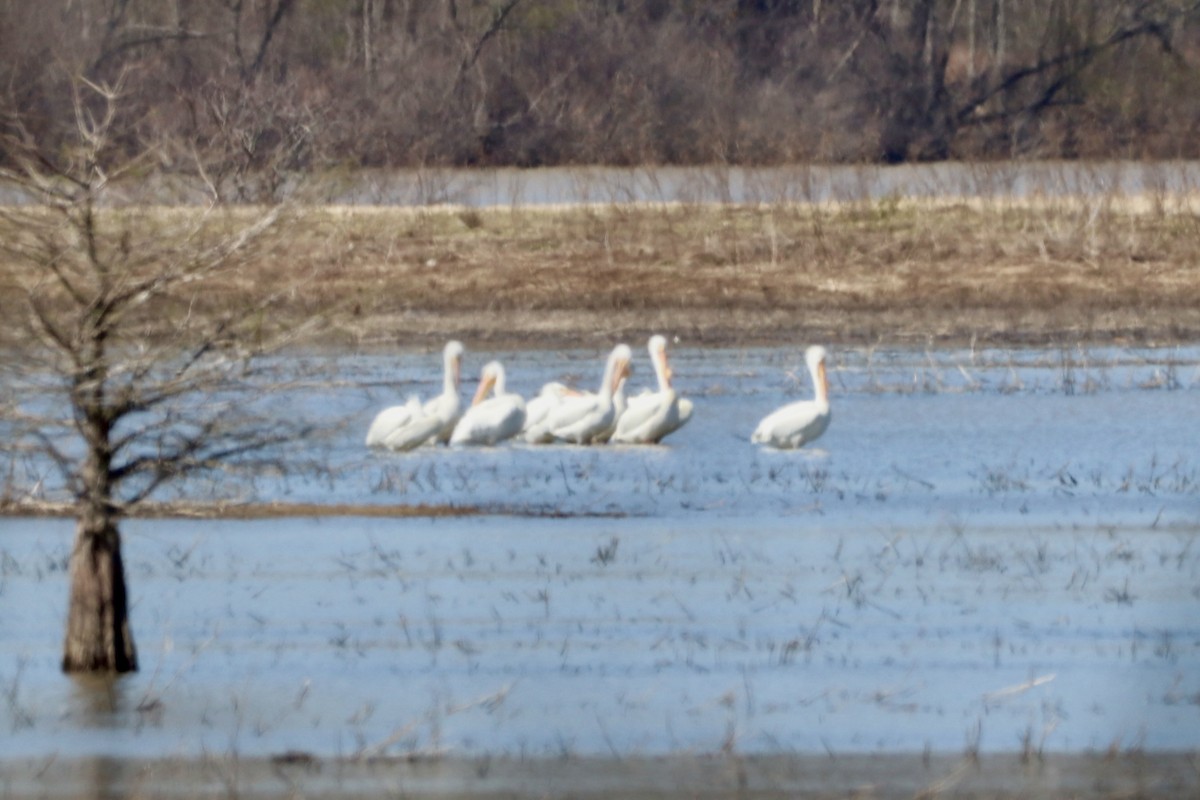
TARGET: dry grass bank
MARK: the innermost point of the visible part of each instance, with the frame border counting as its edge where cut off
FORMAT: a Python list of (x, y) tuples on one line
[(890, 271)]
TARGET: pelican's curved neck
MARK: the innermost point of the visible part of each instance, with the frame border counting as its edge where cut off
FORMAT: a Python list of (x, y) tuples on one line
[(606, 384), (450, 375), (662, 371), (498, 381), (820, 383)]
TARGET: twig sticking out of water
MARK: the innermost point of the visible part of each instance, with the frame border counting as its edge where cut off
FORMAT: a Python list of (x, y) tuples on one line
[(566, 483), (914, 479), (1021, 688), (606, 553)]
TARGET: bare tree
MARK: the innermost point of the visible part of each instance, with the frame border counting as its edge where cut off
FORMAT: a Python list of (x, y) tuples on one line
[(128, 350), (926, 108), (542, 82)]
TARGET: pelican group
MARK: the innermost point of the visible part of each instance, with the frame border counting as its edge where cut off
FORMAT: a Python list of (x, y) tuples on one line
[(560, 414)]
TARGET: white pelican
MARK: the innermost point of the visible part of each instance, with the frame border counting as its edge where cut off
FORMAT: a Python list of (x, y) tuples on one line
[(494, 419), (650, 416), (413, 424), (538, 409), (581, 418), (619, 405), (799, 423)]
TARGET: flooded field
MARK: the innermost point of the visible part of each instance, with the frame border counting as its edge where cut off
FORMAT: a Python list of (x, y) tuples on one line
[(801, 183), (989, 553)]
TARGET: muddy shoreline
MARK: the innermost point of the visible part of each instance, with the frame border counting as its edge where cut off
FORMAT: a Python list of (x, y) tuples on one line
[(919, 328), (291, 774)]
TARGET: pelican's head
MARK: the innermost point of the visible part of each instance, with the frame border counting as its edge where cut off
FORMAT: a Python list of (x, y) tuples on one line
[(658, 357), (490, 377), (618, 364)]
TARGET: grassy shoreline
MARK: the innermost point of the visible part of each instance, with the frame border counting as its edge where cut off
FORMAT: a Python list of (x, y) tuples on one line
[(1109, 269), (864, 273)]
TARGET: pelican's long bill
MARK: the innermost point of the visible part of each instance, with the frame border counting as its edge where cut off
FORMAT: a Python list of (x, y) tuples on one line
[(485, 386), (622, 372)]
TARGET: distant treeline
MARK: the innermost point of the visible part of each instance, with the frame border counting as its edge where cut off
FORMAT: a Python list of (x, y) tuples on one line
[(287, 85)]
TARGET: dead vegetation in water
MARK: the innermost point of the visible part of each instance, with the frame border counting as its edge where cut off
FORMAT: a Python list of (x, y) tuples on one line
[(862, 272), (246, 511), (27, 507)]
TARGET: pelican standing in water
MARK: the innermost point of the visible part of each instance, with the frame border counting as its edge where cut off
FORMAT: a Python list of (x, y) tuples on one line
[(619, 404), (537, 409), (797, 424), (413, 424), (650, 416), (494, 419), (582, 418)]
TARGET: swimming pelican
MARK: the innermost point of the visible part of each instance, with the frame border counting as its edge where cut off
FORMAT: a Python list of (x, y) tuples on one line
[(494, 419), (799, 423), (413, 424), (581, 418), (650, 416)]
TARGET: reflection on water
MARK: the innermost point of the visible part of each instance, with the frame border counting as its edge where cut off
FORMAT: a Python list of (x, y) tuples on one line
[(104, 777), (99, 701)]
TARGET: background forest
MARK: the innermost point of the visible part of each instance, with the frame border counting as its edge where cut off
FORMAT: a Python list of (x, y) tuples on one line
[(320, 84)]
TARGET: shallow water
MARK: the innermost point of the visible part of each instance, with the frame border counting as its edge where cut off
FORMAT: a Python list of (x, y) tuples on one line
[(546, 637), (1035, 437), (800, 183), (991, 550)]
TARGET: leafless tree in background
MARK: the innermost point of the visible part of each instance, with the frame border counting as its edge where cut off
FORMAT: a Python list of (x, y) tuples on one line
[(539, 82), (128, 350)]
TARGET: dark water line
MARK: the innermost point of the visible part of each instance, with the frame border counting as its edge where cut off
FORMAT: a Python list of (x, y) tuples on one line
[(716, 184)]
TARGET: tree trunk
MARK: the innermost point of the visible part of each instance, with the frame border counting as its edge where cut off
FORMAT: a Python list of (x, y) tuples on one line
[(98, 635)]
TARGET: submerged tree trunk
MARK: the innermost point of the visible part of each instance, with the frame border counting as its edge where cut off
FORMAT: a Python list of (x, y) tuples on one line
[(98, 635)]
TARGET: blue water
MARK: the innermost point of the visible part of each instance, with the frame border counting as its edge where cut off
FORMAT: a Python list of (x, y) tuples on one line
[(986, 549), (990, 436)]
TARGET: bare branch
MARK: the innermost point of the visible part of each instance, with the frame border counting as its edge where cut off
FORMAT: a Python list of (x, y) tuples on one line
[(1079, 57), (282, 7)]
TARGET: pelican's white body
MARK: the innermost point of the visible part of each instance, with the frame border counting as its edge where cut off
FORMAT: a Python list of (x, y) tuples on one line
[(585, 418), (494, 419), (797, 424), (537, 409), (650, 416), (414, 424)]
